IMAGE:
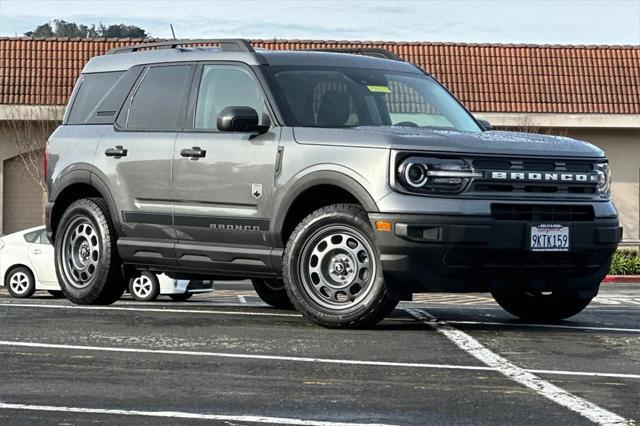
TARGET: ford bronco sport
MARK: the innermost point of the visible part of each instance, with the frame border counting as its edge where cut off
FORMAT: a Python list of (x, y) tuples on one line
[(339, 183)]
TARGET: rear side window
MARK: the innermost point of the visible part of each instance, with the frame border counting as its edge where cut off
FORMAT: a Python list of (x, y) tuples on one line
[(92, 91), (31, 237), (160, 101)]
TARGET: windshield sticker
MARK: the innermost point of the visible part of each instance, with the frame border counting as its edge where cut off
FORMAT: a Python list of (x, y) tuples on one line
[(379, 89)]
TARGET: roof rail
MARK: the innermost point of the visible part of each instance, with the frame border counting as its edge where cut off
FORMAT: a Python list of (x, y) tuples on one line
[(375, 52), (225, 44)]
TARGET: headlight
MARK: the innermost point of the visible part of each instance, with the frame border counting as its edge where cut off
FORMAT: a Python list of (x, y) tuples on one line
[(604, 180), (435, 175)]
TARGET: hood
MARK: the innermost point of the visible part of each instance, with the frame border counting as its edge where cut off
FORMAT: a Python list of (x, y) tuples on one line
[(449, 141)]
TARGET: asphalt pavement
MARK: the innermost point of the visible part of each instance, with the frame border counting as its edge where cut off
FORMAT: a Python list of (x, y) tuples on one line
[(225, 357)]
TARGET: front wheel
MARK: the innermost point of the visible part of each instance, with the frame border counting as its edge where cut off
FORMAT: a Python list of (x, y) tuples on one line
[(537, 306), (272, 292), (332, 270), (20, 283), (144, 288), (87, 263)]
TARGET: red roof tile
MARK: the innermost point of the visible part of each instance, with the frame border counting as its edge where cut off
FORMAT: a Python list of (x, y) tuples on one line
[(486, 77)]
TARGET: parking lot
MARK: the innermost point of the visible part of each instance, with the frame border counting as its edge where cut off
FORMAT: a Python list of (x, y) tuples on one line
[(225, 357)]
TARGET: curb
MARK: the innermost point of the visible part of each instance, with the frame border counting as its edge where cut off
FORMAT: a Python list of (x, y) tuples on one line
[(622, 279)]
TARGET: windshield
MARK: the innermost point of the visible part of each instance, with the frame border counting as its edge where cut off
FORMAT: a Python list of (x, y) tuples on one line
[(350, 97)]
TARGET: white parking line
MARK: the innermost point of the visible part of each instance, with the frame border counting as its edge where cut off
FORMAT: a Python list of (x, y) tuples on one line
[(557, 326), (180, 415), (300, 359), (119, 308), (548, 390)]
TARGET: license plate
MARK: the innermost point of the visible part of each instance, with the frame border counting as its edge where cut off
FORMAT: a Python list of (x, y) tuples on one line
[(549, 238)]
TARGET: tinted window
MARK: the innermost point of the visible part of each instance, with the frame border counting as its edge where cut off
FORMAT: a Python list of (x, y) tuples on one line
[(42, 238), (93, 89), (349, 97), (160, 101), (31, 237), (222, 86)]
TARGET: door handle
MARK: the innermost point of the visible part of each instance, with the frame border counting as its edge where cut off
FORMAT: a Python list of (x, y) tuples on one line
[(118, 151), (37, 251), (194, 152)]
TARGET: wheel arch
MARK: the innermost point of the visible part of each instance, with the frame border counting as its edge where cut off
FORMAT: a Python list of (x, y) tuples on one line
[(313, 191), (75, 186)]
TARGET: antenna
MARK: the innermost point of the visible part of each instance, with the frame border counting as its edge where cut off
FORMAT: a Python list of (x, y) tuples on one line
[(172, 32)]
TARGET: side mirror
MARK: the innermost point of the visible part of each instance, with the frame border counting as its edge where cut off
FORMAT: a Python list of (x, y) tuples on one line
[(240, 119), (485, 124)]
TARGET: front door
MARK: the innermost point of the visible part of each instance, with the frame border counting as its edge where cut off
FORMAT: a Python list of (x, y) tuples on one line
[(223, 181), (42, 260)]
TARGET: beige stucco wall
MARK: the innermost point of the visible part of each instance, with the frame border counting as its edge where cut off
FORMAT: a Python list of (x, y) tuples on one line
[(622, 146)]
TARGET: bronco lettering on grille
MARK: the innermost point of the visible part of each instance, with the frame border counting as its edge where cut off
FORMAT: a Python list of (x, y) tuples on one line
[(545, 177)]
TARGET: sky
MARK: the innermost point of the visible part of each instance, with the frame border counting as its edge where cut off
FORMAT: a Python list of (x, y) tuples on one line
[(470, 21)]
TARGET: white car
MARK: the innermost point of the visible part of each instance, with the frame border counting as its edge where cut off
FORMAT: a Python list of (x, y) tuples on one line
[(148, 286), (27, 265)]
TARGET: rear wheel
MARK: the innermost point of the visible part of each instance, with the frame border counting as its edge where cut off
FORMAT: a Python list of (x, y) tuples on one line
[(332, 269), (537, 306), (180, 297), (88, 266), (20, 283), (272, 292), (144, 288)]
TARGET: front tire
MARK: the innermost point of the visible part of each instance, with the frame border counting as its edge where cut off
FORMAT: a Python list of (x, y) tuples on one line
[(20, 283), (145, 287), (332, 270), (536, 306), (272, 292), (88, 266)]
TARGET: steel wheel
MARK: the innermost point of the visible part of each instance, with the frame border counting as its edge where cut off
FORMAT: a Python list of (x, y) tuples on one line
[(19, 283), (81, 252), (337, 267)]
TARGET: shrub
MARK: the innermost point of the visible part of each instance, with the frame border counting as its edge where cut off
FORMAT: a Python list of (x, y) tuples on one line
[(625, 262)]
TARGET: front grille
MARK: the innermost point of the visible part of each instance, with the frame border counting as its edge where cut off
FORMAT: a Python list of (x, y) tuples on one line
[(542, 167), (538, 212)]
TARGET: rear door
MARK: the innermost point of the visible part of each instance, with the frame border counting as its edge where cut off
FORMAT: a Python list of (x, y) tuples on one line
[(42, 259), (222, 197), (135, 160)]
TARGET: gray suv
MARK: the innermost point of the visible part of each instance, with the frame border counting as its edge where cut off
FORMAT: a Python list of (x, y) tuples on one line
[(340, 182)]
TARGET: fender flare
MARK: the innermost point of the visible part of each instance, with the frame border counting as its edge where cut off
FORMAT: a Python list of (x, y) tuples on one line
[(283, 203), (85, 177)]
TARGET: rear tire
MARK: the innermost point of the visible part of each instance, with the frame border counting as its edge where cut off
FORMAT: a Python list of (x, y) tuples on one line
[(145, 287), (88, 266), (57, 294), (20, 282), (332, 270), (539, 307), (273, 293), (181, 297)]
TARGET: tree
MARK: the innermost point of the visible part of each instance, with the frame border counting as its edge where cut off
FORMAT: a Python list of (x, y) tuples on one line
[(62, 28)]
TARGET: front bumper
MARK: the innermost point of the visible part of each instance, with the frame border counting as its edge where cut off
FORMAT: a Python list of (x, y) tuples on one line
[(479, 253)]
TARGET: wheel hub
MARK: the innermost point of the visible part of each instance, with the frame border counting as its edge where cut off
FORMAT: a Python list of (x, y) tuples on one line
[(341, 269)]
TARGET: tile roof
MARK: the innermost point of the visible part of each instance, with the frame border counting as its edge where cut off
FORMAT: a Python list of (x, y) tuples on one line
[(486, 77)]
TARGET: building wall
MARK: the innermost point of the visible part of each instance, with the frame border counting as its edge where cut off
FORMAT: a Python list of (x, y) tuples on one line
[(23, 198), (622, 146)]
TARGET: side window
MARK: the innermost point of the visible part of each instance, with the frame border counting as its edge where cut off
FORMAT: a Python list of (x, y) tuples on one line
[(32, 237), (42, 238), (93, 89), (160, 101), (222, 86)]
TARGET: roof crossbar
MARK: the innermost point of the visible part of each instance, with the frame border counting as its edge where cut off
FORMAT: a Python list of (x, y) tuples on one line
[(375, 52), (225, 44)]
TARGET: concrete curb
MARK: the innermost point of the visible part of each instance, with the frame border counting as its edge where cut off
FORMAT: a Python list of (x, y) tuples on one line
[(635, 279)]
